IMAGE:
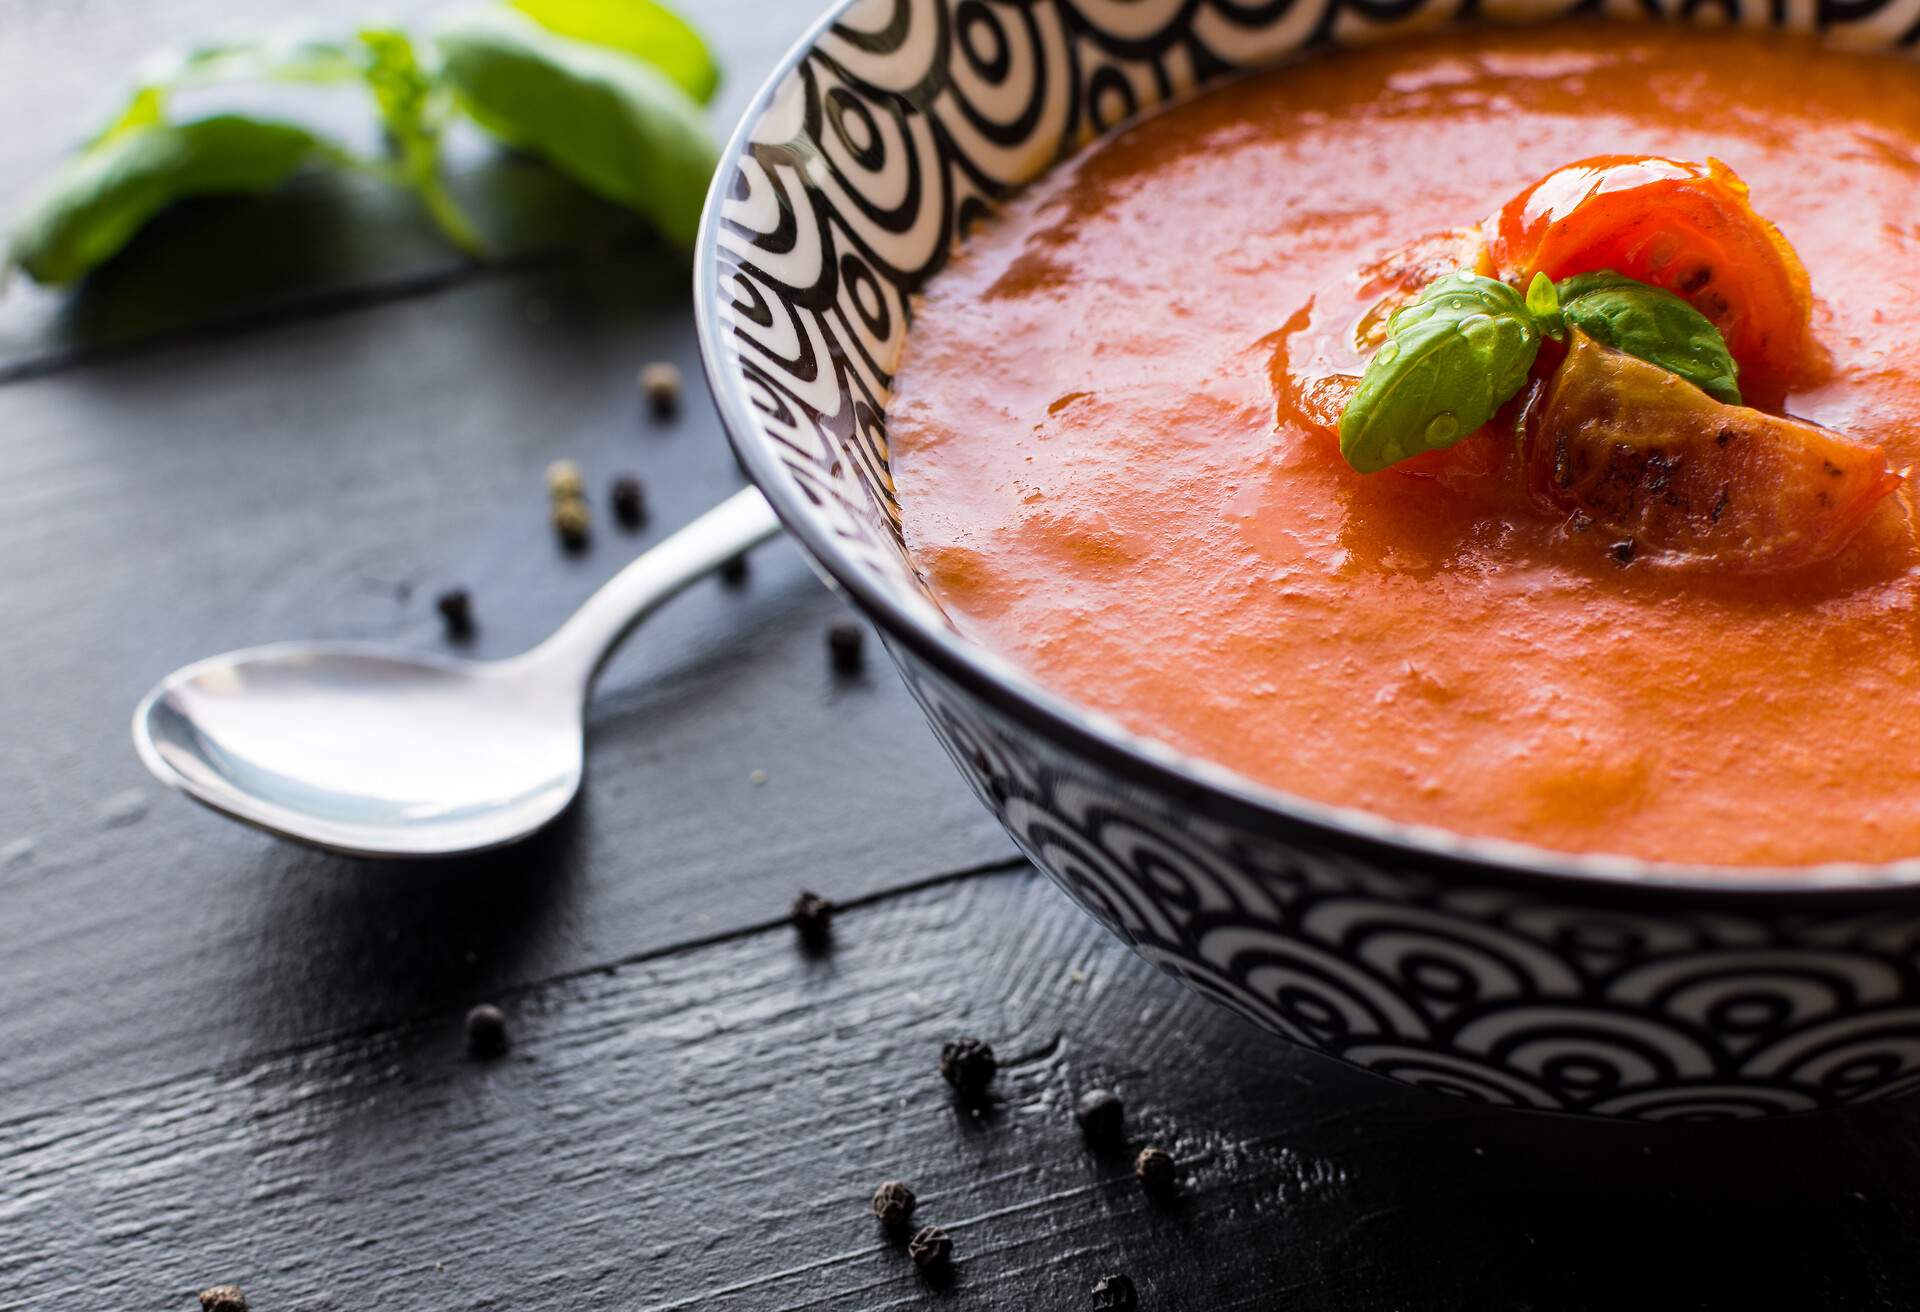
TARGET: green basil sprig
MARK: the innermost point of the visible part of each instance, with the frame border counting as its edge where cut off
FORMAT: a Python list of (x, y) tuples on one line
[(1464, 349), (1653, 324), (1451, 359), (281, 56), (413, 109), (608, 90), (616, 124), (641, 28), (99, 198)]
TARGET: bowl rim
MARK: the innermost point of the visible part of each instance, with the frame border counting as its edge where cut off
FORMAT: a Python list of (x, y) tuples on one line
[(1193, 782)]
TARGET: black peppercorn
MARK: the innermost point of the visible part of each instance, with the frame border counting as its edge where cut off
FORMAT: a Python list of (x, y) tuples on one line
[(486, 1031), (893, 1203), (223, 1298), (660, 381), (1154, 1169), (812, 916), (1115, 1294), (734, 572), (456, 610), (844, 641), (930, 1247), (1101, 1115), (629, 501), (1622, 552), (968, 1066)]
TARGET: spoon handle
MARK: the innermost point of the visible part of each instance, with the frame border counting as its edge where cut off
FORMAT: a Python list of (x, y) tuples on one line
[(580, 645)]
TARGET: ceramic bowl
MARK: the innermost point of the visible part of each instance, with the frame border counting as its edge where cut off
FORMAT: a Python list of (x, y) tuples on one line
[(1591, 985)]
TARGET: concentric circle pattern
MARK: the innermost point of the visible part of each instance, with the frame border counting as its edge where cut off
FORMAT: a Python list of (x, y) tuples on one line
[(1509, 997), (904, 122)]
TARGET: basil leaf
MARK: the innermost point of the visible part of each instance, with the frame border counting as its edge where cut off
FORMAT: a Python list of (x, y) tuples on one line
[(1543, 303), (1653, 324), (1457, 295), (1450, 360), (145, 108), (613, 122), (98, 199), (642, 28), (285, 56), (413, 112)]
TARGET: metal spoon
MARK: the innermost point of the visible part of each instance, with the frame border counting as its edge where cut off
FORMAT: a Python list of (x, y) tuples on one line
[(381, 752)]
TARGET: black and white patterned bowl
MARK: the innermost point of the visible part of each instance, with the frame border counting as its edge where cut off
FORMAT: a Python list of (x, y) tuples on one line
[(1595, 985)]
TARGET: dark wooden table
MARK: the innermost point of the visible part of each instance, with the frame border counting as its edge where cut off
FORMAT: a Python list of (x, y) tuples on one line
[(223, 1058)]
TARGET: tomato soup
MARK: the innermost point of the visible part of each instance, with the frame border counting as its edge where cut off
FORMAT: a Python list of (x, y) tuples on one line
[(1097, 480)]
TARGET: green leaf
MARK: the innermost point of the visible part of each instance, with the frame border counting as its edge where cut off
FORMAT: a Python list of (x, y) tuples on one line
[(1457, 295), (1450, 360), (1543, 303), (283, 57), (615, 123), (99, 198), (286, 56), (145, 108), (1654, 325), (651, 31), (413, 111)]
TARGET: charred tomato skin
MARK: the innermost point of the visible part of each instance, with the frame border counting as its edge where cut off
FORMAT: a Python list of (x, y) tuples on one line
[(1646, 458)]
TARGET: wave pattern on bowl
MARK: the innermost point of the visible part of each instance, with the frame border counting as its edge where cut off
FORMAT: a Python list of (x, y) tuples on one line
[(865, 161)]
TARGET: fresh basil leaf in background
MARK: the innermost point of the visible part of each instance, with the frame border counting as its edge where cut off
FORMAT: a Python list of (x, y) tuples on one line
[(607, 90), (613, 122), (413, 110), (1450, 360), (414, 113), (99, 198), (282, 58), (144, 108), (274, 57), (641, 28), (1655, 325)]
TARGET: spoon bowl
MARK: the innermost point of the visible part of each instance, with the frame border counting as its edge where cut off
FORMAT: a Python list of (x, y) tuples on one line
[(308, 739), (379, 752)]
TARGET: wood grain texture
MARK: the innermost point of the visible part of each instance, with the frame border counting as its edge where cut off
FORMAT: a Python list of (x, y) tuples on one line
[(701, 1129), (224, 1058), (326, 241), (327, 479)]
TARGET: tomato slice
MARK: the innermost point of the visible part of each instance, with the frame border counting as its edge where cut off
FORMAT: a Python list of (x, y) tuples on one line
[(1321, 351), (1658, 469), (1685, 227)]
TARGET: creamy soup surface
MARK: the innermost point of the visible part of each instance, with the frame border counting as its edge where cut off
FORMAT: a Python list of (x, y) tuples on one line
[(1095, 481)]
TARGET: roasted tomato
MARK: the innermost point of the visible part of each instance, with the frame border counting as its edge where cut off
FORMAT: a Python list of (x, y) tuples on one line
[(1315, 365), (1657, 469), (1685, 227), (1320, 353), (1401, 275)]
